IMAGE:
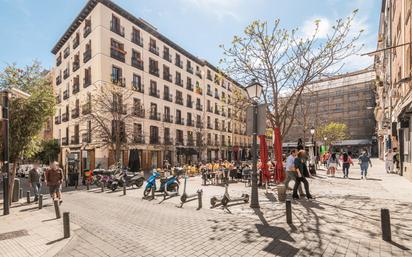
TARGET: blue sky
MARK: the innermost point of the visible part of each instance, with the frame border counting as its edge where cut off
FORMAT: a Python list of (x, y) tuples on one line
[(32, 27)]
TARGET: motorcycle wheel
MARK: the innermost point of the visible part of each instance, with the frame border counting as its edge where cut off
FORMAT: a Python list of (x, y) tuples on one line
[(173, 188), (114, 187), (225, 201), (147, 191), (139, 183), (98, 184)]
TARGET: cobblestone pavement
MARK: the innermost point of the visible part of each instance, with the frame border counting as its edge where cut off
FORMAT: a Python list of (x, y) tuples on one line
[(343, 220)]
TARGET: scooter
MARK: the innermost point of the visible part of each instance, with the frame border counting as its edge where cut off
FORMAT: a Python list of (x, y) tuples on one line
[(124, 179), (170, 184), (151, 183)]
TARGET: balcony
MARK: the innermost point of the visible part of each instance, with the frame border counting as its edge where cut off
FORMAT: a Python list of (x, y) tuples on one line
[(75, 113), (199, 124), (199, 73), (76, 65), (168, 140), (167, 76), (74, 140), (209, 126), (210, 109), (189, 104), (190, 123), (154, 49), (154, 140), (87, 81), (189, 69), (154, 116), (65, 94), (223, 129), (137, 40), (58, 99), (118, 81), (118, 54), (76, 42), (179, 63), (137, 63), (216, 126), (217, 111), (209, 93), (116, 28), (229, 130), (87, 55), (223, 114), (190, 142), (138, 87), (86, 138), (86, 31), (199, 107), (139, 111), (65, 117), (168, 97), (65, 141), (86, 108), (154, 93), (199, 142), (167, 56), (179, 141), (57, 120), (179, 100), (209, 142), (154, 71), (180, 121), (216, 143), (58, 61), (66, 73), (179, 82), (58, 80), (189, 86), (138, 139), (209, 77), (168, 118), (66, 53), (217, 96), (76, 87)]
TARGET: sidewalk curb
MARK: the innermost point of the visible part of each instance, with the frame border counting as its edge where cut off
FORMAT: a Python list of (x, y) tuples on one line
[(61, 245)]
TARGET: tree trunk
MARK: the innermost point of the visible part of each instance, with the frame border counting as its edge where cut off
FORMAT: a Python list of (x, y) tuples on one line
[(11, 181)]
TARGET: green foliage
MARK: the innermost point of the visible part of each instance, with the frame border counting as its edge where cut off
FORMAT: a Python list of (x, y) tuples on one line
[(49, 151), (333, 132)]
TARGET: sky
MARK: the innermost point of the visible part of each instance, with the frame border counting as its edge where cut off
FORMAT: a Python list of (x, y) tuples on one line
[(32, 27)]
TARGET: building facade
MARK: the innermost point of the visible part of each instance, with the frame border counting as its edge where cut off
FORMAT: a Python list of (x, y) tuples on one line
[(393, 64), (348, 98), (182, 105)]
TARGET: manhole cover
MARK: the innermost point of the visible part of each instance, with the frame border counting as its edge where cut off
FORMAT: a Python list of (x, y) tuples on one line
[(13, 234)]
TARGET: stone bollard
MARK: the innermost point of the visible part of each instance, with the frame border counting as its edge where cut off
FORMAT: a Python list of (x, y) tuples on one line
[(386, 225), (57, 209), (66, 224), (281, 193), (28, 196), (88, 186), (153, 193), (288, 212), (124, 188), (16, 190), (199, 199), (103, 187), (21, 193), (40, 201)]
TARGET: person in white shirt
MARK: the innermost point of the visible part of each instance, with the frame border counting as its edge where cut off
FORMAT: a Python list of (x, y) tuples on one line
[(389, 161), (290, 170)]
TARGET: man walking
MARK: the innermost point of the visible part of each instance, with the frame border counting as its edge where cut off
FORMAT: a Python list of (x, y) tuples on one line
[(290, 170), (35, 180), (54, 179), (389, 161), (299, 168)]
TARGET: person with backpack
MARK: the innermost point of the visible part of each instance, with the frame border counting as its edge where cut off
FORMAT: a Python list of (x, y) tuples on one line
[(346, 162), (333, 164), (299, 163), (364, 162)]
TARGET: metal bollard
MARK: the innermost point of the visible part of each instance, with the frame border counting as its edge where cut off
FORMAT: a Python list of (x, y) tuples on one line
[(199, 199), (57, 209), (40, 201), (124, 189), (288, 212), (386, 225), (88, 186), (66, 224), (153, 193), (28, 196), (21, 193), (103, 187)]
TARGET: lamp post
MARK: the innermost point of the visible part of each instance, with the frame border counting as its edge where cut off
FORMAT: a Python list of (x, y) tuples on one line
[(254, 90), (6, 170), (312, 132)]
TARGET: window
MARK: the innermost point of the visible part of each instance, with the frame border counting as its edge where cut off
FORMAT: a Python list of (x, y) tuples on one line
[(137, 83), (154, 135)]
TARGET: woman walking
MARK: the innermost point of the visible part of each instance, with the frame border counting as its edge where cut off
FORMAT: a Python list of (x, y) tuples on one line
[(364, 162), (333, 163), (346, 162)]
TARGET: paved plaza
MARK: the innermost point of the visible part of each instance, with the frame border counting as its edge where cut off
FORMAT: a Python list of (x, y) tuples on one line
[(342, 220)]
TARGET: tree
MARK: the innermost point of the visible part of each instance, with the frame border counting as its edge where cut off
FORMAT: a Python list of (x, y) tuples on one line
[(332, 132), (112, 121), (49, 151), (285, 63), (27, 115)]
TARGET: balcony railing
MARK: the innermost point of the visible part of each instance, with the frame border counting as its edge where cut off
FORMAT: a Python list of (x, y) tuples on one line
[(58, 80), (57, 120), (168, 118), (58, 61), (74, 140), (76, 42), (168, 140), (189, 104), (154, 116), (168, 97), (167, 76), (179, 63), (154, 49), (86, 138), (86, 31), (66, 73), (75, 113), (87, 55), (154, 71), (139, 87), (139, 112), (137, 40), (209, 77), (117, 28), (65, 141), (189, 69), (179, 141), (217, 111), (190, 142), (66, 52), (154, 93), (180, 121), (179, 100), (199, 73), (138, 139), (87, 81), (117, 54), (199, 124), (119, 81), (199, 107), (217, 96), (189, 86), (209, 93), (209, 126), (216, 126), (58, 99), (86, 108), (65, 94), (179, 82), (154, 140), (210, 109), (167, 56), (65, 117), (137, 63), (190, 123), (76, 87), (76, 65)]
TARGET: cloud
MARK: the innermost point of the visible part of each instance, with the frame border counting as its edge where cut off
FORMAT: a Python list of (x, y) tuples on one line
[(219, 8), (309, 27)]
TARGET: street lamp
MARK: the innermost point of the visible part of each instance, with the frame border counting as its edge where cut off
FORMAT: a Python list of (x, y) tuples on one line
[(254, 90), (312, 132)]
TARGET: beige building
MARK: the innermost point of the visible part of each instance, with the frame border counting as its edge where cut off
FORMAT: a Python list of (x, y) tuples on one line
[(393, 64), (181, 104)]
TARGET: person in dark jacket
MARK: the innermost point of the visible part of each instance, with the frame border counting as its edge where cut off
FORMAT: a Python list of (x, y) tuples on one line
[(299, 168), (35, 180)]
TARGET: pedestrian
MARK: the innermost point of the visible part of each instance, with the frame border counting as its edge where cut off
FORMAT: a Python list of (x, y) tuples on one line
[(54, 180), (346, 162), (299, 163), (389, 161), (35, 180), (333, 163), (396, 160), (364, 162), (291, 173)]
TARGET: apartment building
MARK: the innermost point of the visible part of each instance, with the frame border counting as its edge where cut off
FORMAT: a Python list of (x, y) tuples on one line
[(182, 105), (393, 64), (347, 98)]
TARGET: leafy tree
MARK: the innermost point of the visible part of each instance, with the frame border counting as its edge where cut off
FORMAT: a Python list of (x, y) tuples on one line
[(286, 62), (49, 151), (27, 115), (333, 132)]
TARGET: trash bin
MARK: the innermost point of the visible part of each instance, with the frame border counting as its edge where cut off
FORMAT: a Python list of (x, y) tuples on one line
[(16, 190)]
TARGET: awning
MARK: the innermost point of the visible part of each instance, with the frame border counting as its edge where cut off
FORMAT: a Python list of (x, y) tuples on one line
[(353, 142), (185, 151)]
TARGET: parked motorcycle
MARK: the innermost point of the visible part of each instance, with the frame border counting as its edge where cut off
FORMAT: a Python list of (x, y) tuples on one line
[(170, 184), (127, 179)]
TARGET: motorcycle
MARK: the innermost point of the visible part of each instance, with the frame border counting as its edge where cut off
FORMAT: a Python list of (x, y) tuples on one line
[(125, 179), (170, 184)]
